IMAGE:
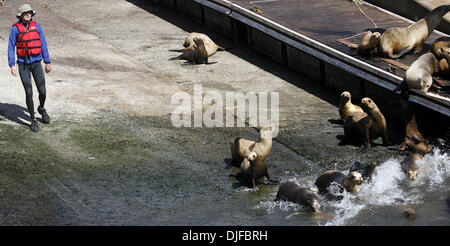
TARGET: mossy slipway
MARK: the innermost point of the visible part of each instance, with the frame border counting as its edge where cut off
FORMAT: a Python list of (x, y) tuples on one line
[(111, 155)]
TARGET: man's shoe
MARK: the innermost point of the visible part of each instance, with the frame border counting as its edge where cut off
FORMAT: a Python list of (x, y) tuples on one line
[(45, 116), (34, 126)]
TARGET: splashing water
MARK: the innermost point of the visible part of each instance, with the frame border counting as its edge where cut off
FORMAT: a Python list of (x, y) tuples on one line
[(390, 185)]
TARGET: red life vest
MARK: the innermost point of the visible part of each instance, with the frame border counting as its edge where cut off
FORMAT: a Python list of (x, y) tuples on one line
[(28, 41)]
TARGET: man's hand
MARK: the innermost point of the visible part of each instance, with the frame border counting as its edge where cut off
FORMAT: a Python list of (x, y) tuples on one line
[(48, 67), (14, 71)]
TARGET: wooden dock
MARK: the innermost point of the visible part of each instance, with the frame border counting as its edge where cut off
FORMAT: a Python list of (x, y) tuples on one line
[(312, 36)]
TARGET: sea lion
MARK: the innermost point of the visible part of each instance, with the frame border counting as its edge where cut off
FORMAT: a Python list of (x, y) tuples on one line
[(368, 43), (346, 106), (366, 171), (366, 126), (419, 75), (409, 213), (400, 41), (291, 192), (443, 64), (253, 169), (437, 48), (409, 165), (242, 147), (197, 55), (211, 47), (413, 137), (348, 182)]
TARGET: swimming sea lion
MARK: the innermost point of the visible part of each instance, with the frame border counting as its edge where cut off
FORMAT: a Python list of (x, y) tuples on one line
[(400, 41), (409, 213), (368, 43), (211, 47), (419, 75), (348, 182), (409, 165), (197, 55), (242, 147), (346, 106), (366, 171), (366, 126), (291, 192)]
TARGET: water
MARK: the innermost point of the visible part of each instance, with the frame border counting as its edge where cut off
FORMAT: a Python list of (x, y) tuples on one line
[(383, 201)]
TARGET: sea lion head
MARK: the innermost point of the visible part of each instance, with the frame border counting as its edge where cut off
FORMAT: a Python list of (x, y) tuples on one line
[(252, 156), (410, 213), (368, 104), (426, 83), (412, 174), (345, 97), (375, 39), (315, 205), (356, 178), (198, 41), (269, 131), (313, 201)]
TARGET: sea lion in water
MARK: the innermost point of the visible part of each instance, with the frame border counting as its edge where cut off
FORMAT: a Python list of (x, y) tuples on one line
[(211, 47), (346, 106), (348, 182), (400, 41), (413, 137), (366, 126), (242, 147), (419, 75), (368, 43), (366, 171), (409, 213), (197, 55), (291, 192), (409, 165)]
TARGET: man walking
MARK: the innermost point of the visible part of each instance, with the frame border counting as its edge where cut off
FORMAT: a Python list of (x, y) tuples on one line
[(27, 38)]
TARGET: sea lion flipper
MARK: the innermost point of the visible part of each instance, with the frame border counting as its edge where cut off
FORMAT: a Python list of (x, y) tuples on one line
[(220, 48), (402, 52)]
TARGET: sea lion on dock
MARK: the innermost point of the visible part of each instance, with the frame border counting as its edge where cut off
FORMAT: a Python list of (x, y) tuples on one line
[(400, 41), (211, 47), (419, 75), (347, 182), (409, 165), (366, 171), (242, 147), (291, 192), (346, 106), (368, 43), (444, 63), (197, 55), (438, 47)]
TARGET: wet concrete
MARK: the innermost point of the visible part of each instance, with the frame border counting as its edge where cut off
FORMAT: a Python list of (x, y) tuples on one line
[(111, 155)]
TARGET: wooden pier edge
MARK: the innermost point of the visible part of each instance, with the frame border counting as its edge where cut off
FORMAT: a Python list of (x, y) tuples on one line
[(371, 75)]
